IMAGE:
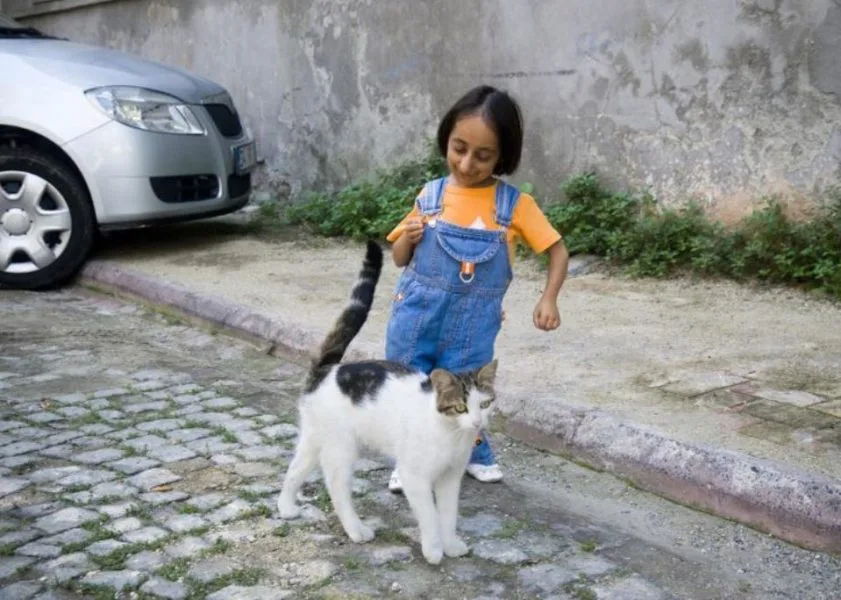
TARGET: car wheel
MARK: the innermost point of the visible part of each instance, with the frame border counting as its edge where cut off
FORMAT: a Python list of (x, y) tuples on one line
[(46, 220)]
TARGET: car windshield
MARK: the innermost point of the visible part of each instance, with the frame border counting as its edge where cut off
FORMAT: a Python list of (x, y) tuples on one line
[(9, 28)]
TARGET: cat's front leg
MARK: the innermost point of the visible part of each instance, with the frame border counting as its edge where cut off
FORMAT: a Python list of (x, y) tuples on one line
[(418, 492), (447, 490)]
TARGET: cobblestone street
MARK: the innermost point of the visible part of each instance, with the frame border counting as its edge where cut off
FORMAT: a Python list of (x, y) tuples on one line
[(141, 458)]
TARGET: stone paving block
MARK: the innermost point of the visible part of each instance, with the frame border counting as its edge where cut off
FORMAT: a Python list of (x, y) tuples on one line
[(186, 388), (158, 498), (156, 406), (9, 565), (86, 477), (186, 399), (147, 560), (105, 547), (281, 431), (162, 588), (250, 438), (230, 512), (174, 453), (123, 434), (500, 552), (187, 547), (153, 478), (71, 536), (19, 536), (22, 590), (111, 415), (255, 469), (224, 460), (40, 509), (62, 438), (591, 565), (389, 554), (117, 511), (67, 518), (212, 568), (96, 429), (793, 397), (545, 579), (69, 398), (187, 411), (185, 523), (133, 464), (20, 448), (148, 386), (481, 525), (211, 445), (257, 592), (10, 485), (146, 535), (146, 442), (67, 567), (112, 491), (161, 425), (831, 408), (633, 587), (208, 501), (220, 403), (189, 434), (110, 393), (124, 525), (73, 411), (254, 453), (39, 550), (97, 457), (267, 419), (16, 462), (44, 417), (116, 580), (246, 411)]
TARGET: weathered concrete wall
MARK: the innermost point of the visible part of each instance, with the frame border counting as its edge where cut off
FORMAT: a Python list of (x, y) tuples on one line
[(725, 99)]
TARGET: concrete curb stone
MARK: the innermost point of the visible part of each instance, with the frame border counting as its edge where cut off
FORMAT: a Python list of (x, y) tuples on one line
[(794, 505)]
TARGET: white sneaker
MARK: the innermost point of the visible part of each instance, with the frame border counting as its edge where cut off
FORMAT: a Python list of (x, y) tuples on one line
[(395, 486), (485, 473)]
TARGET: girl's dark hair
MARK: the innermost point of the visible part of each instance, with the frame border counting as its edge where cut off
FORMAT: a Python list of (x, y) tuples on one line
[(501, 112)]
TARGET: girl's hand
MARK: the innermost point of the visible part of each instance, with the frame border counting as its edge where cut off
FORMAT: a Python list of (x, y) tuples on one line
[(546, 316), (414, 231)]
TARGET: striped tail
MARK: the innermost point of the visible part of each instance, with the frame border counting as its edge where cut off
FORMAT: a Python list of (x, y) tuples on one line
[(354, 315)]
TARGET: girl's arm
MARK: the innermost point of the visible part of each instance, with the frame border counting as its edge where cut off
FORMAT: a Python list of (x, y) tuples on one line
[(546, 315)]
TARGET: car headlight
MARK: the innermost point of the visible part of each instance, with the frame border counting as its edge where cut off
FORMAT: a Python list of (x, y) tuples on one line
[(146, 109)]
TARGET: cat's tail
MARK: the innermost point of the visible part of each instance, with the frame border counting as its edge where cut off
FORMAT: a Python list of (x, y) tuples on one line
[(355, 314)]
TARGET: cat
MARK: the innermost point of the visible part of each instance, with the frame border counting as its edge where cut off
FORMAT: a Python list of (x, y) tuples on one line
[(427, 423)]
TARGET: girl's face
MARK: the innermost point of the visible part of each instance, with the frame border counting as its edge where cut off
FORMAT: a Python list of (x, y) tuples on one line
[(472, 152)]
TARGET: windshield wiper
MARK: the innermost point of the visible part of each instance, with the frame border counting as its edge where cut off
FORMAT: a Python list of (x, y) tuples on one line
[(22, 32)]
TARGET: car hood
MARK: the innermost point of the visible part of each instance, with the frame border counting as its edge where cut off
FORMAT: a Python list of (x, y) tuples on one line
[(92, 66)]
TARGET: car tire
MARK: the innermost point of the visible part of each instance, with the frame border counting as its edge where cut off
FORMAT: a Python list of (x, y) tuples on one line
[(41, 199)]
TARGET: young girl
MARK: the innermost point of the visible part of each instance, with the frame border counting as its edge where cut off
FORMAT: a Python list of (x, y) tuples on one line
[(457, 245)]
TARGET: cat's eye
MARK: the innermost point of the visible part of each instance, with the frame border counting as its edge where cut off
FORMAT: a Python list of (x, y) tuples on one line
[(485, 404), (461, 409)]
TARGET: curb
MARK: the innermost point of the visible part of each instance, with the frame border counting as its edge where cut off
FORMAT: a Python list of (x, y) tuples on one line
[(794, 505)]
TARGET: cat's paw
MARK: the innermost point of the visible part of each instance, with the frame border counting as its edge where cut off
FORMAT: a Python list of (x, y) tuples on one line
[(360, 534), (456, 547), (433, 552), (288, 510)]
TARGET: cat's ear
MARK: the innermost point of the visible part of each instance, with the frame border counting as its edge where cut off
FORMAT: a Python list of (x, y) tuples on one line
[(487, 375), (447, 389)]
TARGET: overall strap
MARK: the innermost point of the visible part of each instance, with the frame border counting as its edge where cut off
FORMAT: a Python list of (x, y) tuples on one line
[(430, 202), (506, 200)]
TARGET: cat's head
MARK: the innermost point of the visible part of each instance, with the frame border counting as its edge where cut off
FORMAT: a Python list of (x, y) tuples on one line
[(466, 397)]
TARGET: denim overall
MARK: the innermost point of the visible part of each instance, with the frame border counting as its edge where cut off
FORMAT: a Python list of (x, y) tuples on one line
[(447, 309)]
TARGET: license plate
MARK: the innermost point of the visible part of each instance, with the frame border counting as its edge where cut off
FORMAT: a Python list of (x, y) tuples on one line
[(245, 157)]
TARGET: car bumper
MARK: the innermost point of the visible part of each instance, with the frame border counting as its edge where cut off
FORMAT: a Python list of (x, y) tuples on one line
[(137, 177)]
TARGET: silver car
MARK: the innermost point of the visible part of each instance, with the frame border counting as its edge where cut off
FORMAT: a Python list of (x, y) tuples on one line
[(94, 139)]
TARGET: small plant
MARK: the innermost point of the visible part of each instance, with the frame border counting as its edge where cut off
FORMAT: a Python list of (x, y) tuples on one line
[(282, 531), (588, 546), (175, 569)]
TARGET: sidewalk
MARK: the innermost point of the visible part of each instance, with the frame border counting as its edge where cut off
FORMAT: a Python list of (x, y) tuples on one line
[(713, 394)]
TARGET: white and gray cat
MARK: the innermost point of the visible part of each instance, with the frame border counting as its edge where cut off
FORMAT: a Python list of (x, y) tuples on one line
[(428, 424)]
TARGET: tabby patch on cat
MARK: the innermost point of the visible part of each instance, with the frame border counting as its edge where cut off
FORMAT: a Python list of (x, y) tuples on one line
[(428, 424)]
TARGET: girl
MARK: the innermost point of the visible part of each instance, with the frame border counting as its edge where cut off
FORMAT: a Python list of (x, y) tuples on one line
[(457, 245)]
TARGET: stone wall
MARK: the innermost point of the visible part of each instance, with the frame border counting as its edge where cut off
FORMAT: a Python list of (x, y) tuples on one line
[(725, 100)]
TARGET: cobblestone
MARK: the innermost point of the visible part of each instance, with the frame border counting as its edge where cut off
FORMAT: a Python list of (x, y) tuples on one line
[(188, 474)]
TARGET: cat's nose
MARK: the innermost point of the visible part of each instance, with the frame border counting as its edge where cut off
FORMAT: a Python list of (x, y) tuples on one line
[(477, 423)]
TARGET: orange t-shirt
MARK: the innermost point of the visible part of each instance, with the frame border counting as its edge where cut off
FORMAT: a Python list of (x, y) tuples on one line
[(476, 208)]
